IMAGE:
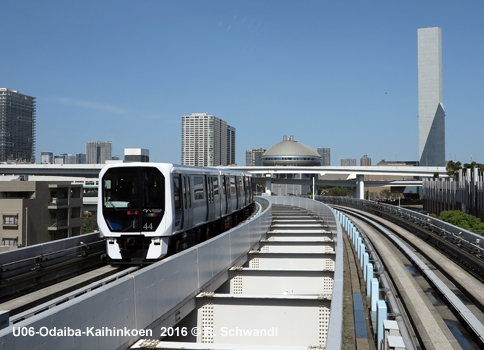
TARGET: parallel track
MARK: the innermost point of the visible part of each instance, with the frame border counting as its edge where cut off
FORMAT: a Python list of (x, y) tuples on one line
[(470, 317)]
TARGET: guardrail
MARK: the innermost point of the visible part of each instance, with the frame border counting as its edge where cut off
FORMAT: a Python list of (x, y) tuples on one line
[(40, 256), (470, 241)]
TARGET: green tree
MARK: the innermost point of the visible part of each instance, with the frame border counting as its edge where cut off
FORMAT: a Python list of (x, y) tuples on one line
[(453, 168), (89, 222), (338, 191), (462, 220)]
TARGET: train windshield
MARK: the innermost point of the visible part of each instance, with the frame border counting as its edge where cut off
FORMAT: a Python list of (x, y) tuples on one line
[(133, 198)]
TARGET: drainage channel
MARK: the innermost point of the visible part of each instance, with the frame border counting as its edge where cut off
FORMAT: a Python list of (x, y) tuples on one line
[(280, 297)]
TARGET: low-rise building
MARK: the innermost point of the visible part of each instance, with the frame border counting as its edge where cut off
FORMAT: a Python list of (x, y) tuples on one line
[(34, 212)]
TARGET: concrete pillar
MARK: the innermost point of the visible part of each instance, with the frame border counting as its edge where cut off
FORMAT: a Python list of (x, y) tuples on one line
[(362, 253), (381, 315), (366, 260), (375, 291), (360, 187), (268, 184), (369, 278)]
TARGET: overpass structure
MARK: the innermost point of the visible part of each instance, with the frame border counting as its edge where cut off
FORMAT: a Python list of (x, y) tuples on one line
[(353, 176)]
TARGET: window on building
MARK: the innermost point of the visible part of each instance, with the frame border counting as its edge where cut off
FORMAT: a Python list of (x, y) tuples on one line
[(10, 219), (10, 241)]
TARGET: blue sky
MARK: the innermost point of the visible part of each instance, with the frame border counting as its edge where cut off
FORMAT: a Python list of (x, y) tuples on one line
[(338, 74)]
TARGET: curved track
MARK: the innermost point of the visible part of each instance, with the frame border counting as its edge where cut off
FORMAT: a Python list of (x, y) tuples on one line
[(401, 260)]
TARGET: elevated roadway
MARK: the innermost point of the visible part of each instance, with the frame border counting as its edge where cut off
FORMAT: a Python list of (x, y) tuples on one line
[(355, 175)]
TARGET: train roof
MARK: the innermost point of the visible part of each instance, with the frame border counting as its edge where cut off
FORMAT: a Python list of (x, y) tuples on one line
[(176, 168)]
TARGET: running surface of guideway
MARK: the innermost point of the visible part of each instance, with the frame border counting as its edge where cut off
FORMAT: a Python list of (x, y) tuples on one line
[(155, 299), (281, 297)]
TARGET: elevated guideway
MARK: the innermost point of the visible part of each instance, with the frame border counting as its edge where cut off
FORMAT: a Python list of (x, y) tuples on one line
[(159, 297)]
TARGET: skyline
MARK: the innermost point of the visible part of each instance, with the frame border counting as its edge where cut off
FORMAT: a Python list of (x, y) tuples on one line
[(344, 76)]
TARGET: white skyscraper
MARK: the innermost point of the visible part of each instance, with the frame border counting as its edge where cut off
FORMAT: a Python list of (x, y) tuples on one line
[(431, 121), (207, 141)]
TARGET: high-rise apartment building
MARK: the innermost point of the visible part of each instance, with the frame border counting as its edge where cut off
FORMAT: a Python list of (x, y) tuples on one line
[(207, 141), (365, 161), (253, 157), (230, 145), (325, 156), (17, 127), (99, 152), (431, 115)]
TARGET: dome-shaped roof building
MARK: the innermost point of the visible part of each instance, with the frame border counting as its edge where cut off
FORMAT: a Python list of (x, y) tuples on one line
[(291, 152)]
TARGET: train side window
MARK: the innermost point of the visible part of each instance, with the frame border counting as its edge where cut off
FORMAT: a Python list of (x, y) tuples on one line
[(215, 186), (189, 193), (210, 189), (177, 192), (233, 189), (198, 188), (222, 178), (239, 185)]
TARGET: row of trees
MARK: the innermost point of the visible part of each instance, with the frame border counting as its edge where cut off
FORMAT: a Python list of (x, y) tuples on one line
[(454, 167)]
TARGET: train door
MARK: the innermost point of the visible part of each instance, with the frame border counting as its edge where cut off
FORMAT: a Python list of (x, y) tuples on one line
[(209, 187)]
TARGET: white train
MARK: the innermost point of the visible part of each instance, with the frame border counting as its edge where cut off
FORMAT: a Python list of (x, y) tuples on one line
[(148, 210)]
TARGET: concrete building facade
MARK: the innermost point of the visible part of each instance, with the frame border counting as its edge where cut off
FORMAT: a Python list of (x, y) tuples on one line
[(34, 212), (253, 157), (431, 115)]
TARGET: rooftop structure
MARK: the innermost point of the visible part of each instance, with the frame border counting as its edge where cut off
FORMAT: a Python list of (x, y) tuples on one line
[(290, 152)]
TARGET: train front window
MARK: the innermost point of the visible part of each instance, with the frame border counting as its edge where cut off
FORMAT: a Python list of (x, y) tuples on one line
[(133, 198)]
